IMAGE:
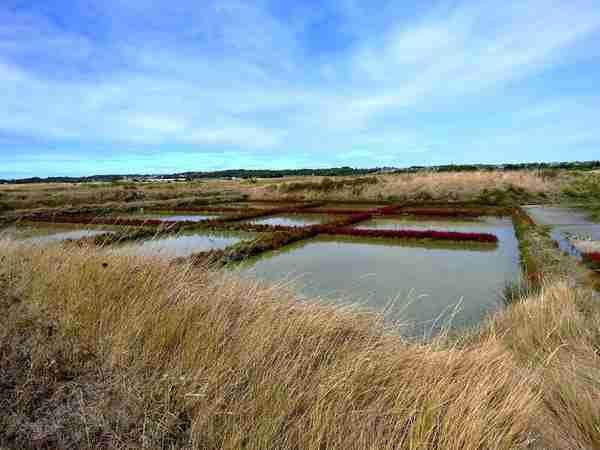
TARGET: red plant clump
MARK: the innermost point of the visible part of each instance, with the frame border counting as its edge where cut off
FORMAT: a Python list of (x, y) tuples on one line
[(411, 234), (592, 257)]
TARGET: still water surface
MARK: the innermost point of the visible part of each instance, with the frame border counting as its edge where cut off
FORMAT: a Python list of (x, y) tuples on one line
[(565, 222), (294, 220), (49, 233), (426, 280), (474, 225), (175, 217), (184, 244)]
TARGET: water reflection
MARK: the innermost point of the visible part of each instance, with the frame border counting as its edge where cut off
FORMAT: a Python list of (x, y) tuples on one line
[(466, 225), (45, 234), (184, 244), (167, 217), (566, 224), (293, 220), (424, 279), (557, 215)]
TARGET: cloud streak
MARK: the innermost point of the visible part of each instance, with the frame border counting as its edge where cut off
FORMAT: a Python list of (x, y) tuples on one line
[(234, 83)]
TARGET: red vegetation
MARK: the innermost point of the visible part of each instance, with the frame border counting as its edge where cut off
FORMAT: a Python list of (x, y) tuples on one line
[(593, 257), (411, 234), (281, 235)]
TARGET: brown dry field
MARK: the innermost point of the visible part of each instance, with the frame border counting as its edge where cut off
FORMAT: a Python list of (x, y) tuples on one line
[(483, 187)]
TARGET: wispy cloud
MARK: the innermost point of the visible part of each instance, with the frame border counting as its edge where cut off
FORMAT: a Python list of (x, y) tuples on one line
[(192, 81)]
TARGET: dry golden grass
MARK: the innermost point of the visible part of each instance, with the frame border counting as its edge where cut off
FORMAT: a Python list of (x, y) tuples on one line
[(175, 357), (44, 195), (490, 187), (558, 333), (444, 186)]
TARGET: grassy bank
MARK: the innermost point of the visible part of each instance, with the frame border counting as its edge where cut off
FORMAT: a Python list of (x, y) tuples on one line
[(485, 187), (101, 351), (478, 187), (91, 196)]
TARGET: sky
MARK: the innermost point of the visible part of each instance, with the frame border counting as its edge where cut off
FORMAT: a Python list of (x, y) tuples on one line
[(133, 86)]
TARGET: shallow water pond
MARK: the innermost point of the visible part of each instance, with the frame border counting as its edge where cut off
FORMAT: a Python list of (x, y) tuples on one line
[(174, 217), (426, 280), (48, 233), (475, 225), (557, 215), (293, 220), (564, 233), (184, 244), (566, 223)]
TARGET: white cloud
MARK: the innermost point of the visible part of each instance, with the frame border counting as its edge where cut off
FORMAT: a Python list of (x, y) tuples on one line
[(472, 49), (231, 75)]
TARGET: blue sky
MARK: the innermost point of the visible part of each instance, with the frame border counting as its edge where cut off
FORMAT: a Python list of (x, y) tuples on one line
[(124, 86)]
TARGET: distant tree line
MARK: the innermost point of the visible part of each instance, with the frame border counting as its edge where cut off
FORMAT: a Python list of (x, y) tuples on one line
[(330, 172), (90, 179), (573, 165), (188, 176), (268, 173)]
